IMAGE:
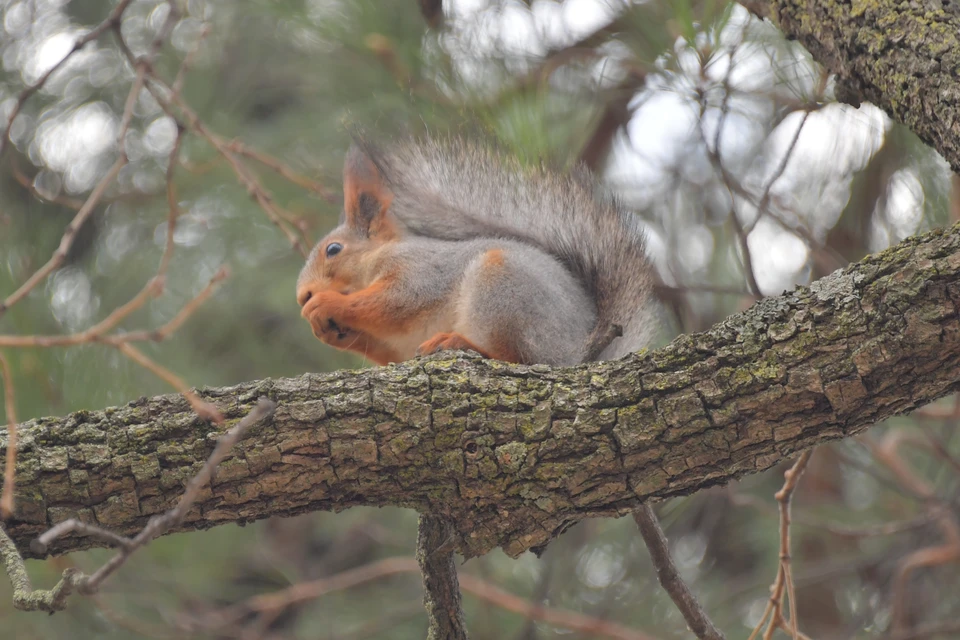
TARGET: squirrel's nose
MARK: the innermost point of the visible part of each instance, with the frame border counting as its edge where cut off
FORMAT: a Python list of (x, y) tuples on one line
[(304, 294)]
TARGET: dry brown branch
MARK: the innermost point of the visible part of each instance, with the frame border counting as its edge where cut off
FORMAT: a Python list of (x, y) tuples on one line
[(111, 21), (170, 102), (556, 617), (187, 62), (783, 583), (173, 206), (865, 531), (887, 453), (745, 255), (25, 598), (140, 67), (697, 619), (88, 207), (277, 601), (24, 181), (441, 590), (283, 170), (98, 332), (9, 475), (764, 201), (68, 237), (204, 409)]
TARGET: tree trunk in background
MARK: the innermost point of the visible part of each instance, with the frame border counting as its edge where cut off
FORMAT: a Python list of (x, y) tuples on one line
[(903, 57)]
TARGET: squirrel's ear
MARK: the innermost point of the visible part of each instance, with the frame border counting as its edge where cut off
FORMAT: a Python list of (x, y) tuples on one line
[(366, 197)]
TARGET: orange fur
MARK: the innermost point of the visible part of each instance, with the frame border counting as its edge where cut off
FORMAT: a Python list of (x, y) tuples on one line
[(366, 311), (493, 258), (370, 348), (450, 341)]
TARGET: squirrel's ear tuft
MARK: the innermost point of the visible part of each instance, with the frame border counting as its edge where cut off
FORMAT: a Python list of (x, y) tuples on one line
[(366, 197)]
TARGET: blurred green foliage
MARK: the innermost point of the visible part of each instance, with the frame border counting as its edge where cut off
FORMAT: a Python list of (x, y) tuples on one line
[(290, 79)]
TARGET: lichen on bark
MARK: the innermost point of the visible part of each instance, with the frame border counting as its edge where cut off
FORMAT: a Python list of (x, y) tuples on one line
[(512, 455), (902, 56)]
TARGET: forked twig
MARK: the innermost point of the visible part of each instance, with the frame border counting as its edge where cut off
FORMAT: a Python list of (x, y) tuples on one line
[(784, 580), (27, 599)]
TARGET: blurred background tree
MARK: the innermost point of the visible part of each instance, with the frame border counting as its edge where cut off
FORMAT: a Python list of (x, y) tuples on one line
[(724, 138)]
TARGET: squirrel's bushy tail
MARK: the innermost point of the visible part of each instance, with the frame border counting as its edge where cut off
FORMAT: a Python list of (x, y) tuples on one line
[(456, 190)]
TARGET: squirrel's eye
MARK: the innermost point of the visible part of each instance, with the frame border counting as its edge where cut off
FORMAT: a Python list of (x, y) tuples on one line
[(333, 249)]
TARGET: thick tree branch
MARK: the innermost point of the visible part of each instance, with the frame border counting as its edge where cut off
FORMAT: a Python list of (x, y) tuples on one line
[(902, 56), (512, 455)]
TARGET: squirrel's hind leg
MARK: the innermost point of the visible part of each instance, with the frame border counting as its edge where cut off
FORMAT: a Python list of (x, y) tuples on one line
[(458, 341), (521, 305)]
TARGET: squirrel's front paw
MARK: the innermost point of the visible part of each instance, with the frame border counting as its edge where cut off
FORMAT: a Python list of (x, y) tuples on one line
[(327, 330)]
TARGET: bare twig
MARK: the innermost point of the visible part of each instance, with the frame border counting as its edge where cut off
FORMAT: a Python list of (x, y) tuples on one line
[(441, 590), (313, 589), (203, 409), (283, 170), (78, 220), (173, 206), (98, 332), (887, 453), (9, 475), (25, 598), (765, 197), (73, 525), (170, 102), (697, 619), (177, 85), (109, 22), (68, 237), (112, 22), (55, 599), (556, 617), (784, 580)]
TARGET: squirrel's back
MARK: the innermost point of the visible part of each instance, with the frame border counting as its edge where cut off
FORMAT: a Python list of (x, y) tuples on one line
[(457, 190)]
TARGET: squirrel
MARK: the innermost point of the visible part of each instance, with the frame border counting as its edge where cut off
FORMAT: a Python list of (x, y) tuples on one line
[(450, 245)]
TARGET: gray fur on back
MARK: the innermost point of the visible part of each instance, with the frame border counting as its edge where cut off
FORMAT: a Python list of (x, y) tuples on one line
[(458, 190)]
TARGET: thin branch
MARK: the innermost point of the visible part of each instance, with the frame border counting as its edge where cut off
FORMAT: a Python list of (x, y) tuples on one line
[(784, 580), (556, 617), (441, 590), (25, 598), (90, 36), (283, 170), (97, 333), (173, 206), (887, 453), (40, 544), (55, 599), (203, 409), (177, 85), (170, 102), (84, 213), (697, 619), (765, 197), (9, 474), (306, 591)]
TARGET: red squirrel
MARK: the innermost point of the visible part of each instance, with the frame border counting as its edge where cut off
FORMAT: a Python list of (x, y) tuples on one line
[(451, 245)]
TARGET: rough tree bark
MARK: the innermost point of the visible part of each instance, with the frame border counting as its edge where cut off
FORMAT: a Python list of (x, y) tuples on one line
[(902, 56), (512, 455)]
